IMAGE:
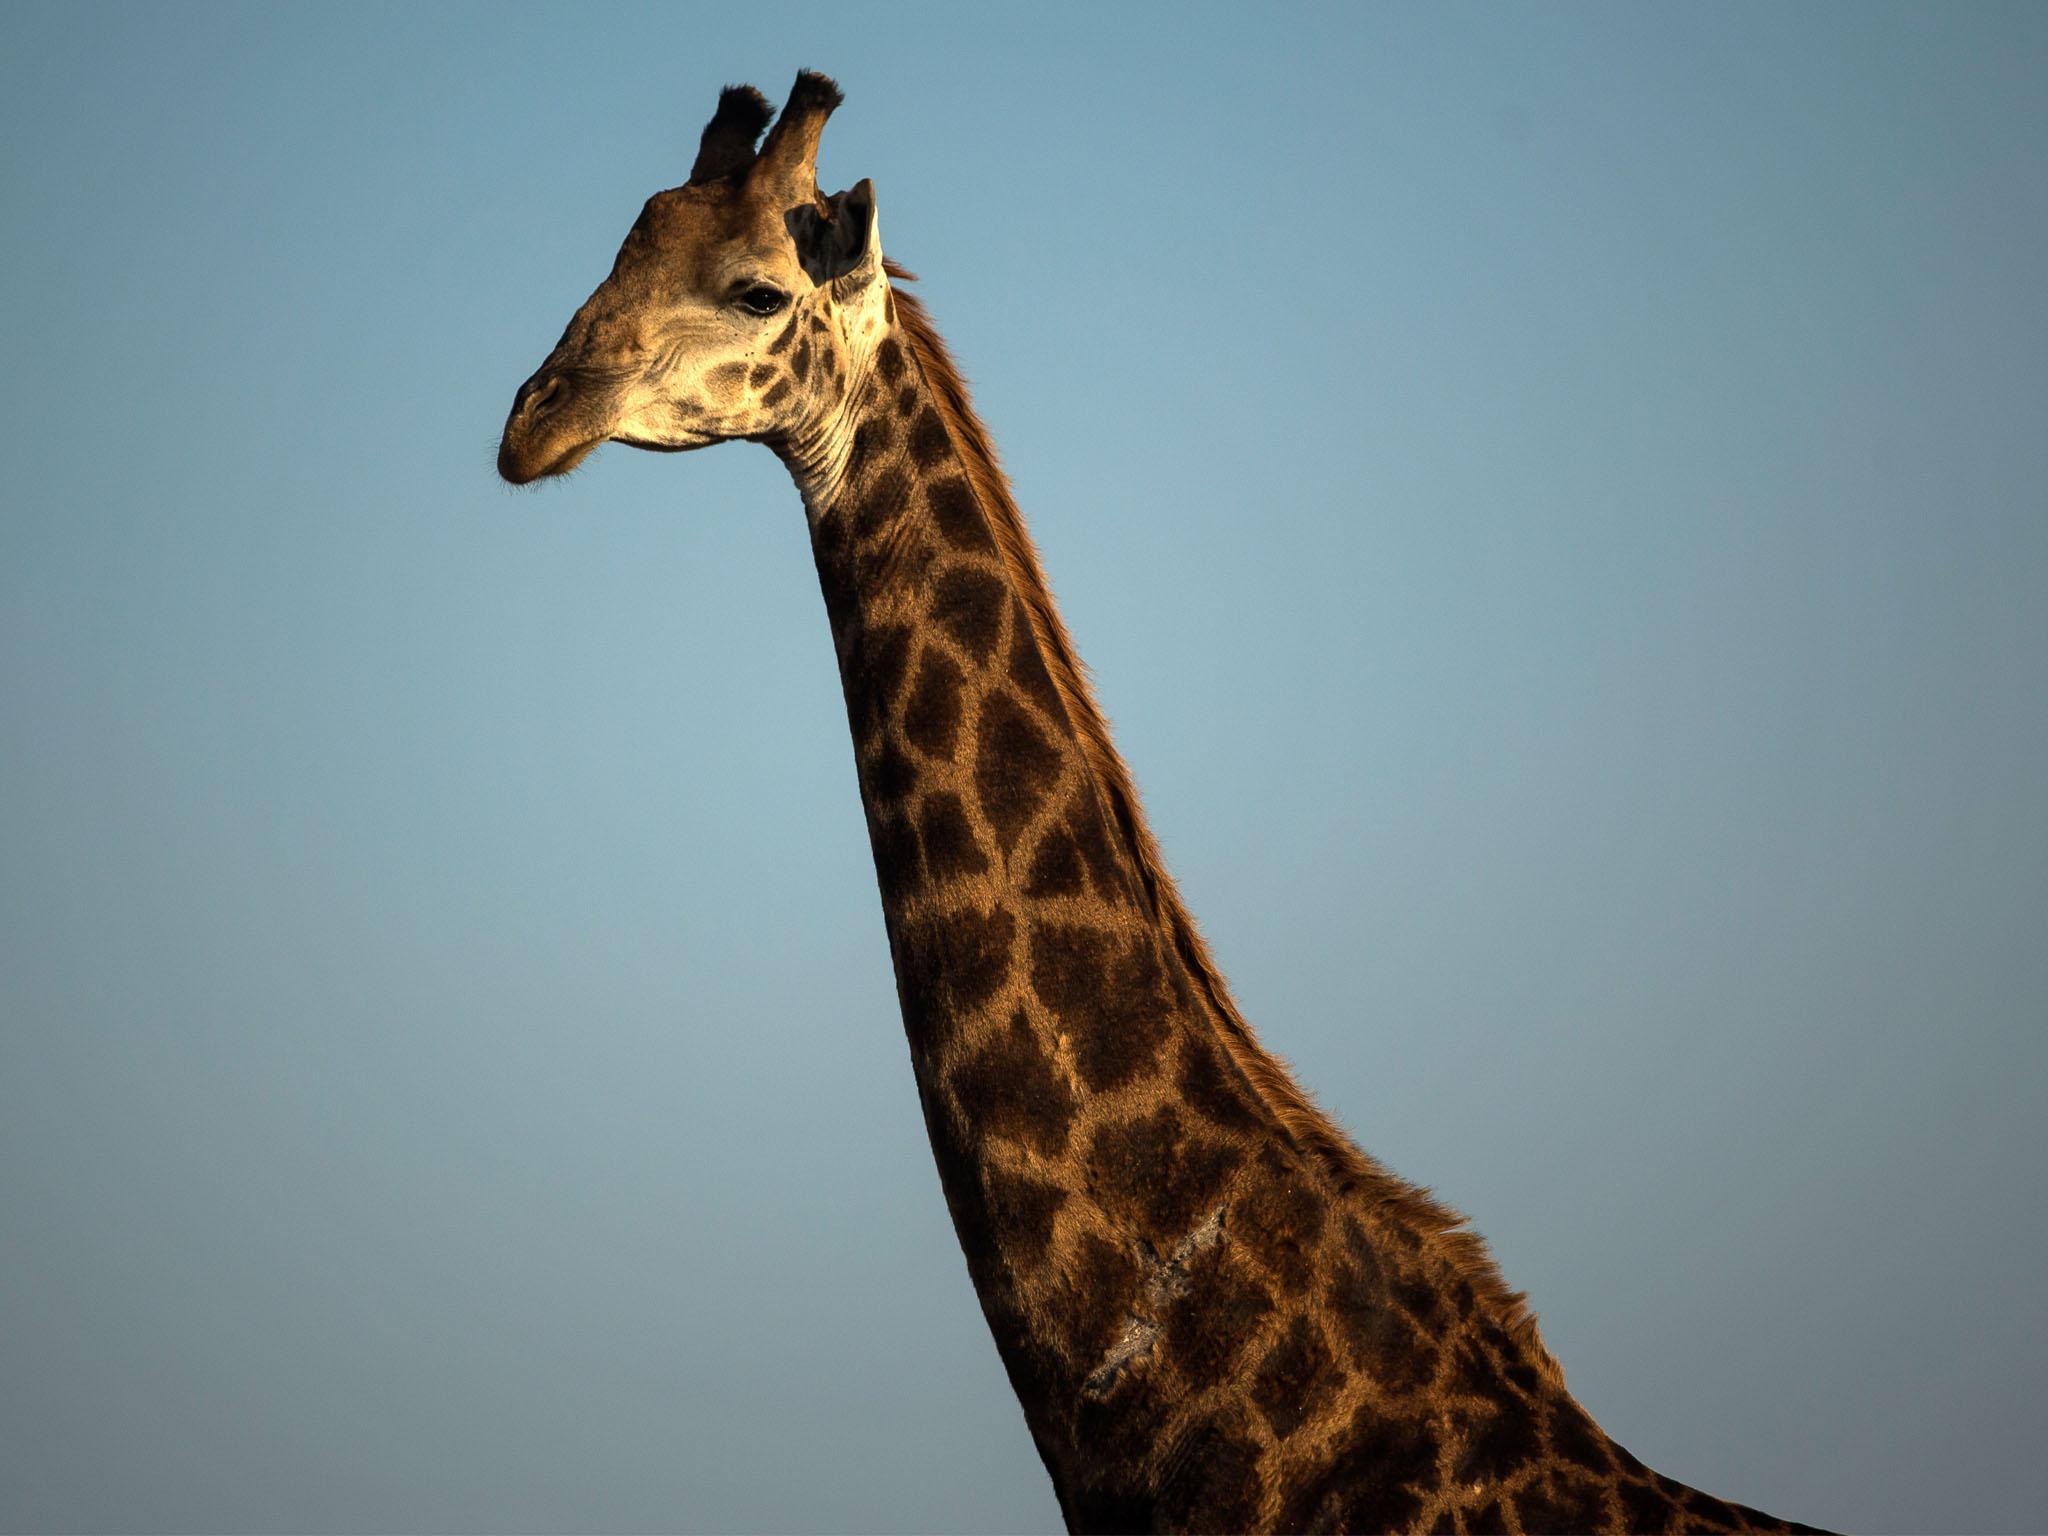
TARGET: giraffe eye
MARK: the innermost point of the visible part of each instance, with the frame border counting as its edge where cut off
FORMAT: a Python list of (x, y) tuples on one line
[(762, 300)]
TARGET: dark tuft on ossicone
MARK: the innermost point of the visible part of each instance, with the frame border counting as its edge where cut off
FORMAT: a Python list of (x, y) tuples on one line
[(727, 147), (813, 92)]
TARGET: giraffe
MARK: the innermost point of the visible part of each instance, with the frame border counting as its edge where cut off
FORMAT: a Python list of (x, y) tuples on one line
[(1216, 1312)]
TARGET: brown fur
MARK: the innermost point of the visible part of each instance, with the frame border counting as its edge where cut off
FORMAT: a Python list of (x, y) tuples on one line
[(1357, 1175)]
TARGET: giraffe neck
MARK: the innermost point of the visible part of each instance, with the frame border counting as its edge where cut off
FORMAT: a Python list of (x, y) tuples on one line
[(1206, 1324), (1086, 1125)]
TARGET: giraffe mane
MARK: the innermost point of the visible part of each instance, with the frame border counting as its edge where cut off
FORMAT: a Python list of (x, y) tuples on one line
[(1356, 1175)]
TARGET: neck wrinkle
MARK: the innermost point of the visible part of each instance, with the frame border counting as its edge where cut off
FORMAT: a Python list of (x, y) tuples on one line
[(818, 460)]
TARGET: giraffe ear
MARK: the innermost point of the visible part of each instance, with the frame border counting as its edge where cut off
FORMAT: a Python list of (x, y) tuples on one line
[(728, 143), (839, 239), (859, 238)]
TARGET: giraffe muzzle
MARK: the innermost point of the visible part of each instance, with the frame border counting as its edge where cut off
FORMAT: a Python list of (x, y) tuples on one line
[(539, 438)]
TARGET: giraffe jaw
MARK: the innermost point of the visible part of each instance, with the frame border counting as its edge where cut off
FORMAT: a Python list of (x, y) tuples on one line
[(651, 446)]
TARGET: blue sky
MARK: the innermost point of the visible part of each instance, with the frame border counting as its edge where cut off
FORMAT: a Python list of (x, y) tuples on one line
[(1554, 502)]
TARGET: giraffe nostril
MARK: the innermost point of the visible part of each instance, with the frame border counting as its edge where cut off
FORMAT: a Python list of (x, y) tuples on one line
[(544, 397)]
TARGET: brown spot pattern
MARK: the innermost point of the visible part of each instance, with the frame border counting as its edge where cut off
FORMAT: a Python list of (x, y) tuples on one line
[(1012, 1089), (1015, 767), (931, 715), (1055, 866), (1282, 1219), (969, 604), (951, 849), (948, 967), (1296, 1379), (1213, 1317), (882, 503), (1213, 1090), (871, 439), (1391, 1462), (1107, 992), (1102, 1293), (957, 516), (1149, 1172), (892, 777), (1020, 1213), (1217, 1487), (928, 440), (1381, 1340)]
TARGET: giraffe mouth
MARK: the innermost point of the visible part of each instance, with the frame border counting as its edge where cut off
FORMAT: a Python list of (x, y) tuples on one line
[(650, 446), (521, 468), (523, 474), (520, 465)]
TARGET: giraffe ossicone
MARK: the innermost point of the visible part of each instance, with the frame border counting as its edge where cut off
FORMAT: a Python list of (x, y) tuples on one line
[(1216, 1312)]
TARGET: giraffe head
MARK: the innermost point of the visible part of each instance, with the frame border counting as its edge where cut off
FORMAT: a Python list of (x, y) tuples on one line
[(742, 305)]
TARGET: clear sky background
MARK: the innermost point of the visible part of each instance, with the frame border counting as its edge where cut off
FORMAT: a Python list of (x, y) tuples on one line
[(1556, 500)]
